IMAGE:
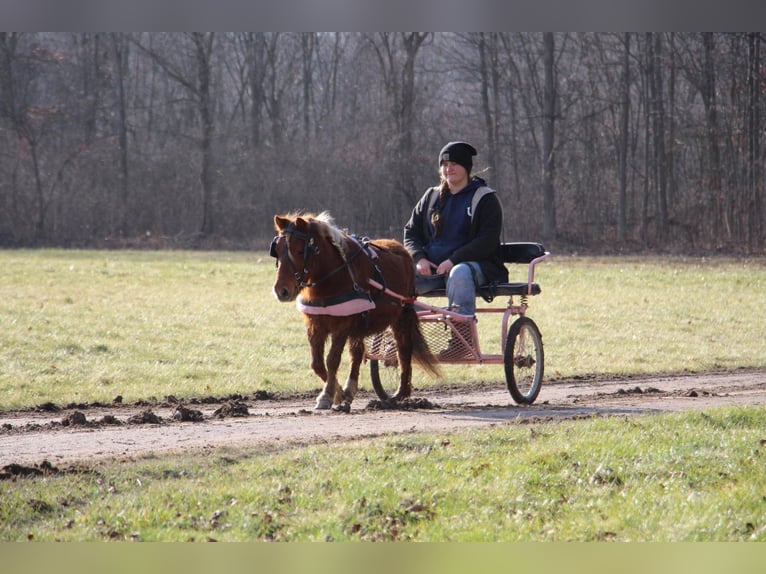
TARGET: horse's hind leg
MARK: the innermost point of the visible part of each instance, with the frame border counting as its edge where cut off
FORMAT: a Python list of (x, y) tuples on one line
[(356, 350), (404, 353), (331, 393)]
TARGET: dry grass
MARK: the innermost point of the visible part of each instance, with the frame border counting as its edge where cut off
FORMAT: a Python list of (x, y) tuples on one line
[(83, 326)]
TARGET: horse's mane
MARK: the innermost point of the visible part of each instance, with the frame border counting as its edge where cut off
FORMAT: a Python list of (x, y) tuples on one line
[(328, 229), (325, 227)]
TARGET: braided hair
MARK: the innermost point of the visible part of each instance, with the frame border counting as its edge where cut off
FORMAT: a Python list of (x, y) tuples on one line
[(436, 216)]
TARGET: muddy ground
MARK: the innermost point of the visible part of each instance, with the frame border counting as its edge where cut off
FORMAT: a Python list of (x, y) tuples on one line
[(58, 435)]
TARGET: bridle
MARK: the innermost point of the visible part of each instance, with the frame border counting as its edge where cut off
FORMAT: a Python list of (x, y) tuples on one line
[(309, 248)]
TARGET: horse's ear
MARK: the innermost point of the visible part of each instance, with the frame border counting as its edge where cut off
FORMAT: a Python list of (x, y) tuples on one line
[(280, 222), (302, 223)]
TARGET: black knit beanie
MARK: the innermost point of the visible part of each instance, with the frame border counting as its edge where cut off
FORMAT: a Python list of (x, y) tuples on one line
[(458, 152)]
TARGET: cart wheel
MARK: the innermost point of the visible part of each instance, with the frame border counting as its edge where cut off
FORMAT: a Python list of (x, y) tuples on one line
[(385, 378), (524, 360), (384, 373)]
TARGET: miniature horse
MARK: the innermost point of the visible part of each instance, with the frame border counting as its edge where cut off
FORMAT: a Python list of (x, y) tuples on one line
[(327, 271)]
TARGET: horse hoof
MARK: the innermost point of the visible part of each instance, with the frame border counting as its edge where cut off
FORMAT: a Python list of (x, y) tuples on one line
[(344, 407), (323, 404)]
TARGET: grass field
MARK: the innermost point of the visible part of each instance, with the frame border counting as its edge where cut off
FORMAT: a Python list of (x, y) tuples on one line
[(90, 325), (86, 326), (687, 477)]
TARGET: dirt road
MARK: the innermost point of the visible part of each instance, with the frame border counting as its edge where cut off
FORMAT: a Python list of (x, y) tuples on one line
[(89, 433)]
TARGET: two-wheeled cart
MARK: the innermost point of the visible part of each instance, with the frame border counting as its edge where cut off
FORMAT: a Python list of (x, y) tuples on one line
[(453, 338)]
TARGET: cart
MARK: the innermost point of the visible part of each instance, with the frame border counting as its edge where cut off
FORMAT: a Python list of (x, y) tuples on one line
[(453, 338)]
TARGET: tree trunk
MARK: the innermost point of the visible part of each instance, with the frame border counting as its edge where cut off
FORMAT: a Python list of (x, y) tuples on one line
[(755, 208), (489, 86), (308, 44), (715, 204), (412, 43), (658, 129), (204, 46), (624, 124), (548, 160), (648, 159), (119, 52), (256, 61)]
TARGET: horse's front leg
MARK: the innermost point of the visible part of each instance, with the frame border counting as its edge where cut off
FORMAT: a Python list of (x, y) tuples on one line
[(356, 350), (317, 340), (331, 394)]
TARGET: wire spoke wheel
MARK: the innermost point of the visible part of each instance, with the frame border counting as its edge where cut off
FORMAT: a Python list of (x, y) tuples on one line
[(384, 371), (523, 359)]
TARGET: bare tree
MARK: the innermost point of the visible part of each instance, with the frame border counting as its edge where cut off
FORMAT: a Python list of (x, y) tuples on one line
[(31, 123), (195, 76), (709, 99), (755, 213), (396, 53), (120, 54), (106, 135), (308, 48), (490, 88), (656, 110), (624, 126), (549, 119)]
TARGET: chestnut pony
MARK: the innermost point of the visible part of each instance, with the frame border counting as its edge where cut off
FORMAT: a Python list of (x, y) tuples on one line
[(326, 272)]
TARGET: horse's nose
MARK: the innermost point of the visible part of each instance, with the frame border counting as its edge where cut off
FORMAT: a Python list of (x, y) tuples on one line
[(282, 293)]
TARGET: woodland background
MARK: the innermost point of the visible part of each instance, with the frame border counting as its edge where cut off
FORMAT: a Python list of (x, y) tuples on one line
[(595, 141)]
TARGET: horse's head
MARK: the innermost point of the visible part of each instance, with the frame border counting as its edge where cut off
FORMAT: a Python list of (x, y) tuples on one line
[(303, 248), (293, 249)]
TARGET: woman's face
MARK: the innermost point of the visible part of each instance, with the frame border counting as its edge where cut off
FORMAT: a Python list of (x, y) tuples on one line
[(455, 174)]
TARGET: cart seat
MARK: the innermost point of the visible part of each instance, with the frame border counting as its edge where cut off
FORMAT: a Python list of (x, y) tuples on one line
[(488, 292), (518, 252)]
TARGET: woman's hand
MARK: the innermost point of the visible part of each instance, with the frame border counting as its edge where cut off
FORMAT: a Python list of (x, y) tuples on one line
[(444, 267), (424, 267)]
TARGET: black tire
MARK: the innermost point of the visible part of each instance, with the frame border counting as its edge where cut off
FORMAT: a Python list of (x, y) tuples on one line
[(524, 360), (385, 374), (385, 378)]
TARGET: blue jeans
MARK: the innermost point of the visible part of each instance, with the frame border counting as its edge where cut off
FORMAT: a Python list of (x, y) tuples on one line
[(462, 282)]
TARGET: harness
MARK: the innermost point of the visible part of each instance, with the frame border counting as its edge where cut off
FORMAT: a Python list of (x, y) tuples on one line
[(354, 302), (477, 196)]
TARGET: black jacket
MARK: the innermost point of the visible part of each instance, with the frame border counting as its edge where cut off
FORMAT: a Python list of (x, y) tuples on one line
[(484, 241)]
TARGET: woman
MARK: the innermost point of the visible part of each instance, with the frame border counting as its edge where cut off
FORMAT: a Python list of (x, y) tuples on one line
[(454, 230)]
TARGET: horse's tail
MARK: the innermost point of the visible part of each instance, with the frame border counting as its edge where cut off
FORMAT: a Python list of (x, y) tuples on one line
[(421, 354)]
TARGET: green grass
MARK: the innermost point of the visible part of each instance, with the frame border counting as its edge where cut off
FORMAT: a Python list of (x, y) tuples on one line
[(83, 326), (86, 326), (678, 477), (645, 315), (80, 326)]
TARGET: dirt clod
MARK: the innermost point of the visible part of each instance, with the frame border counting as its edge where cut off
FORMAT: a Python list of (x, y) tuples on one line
[(145, 417), (19, 470), (403, 405), (75, 419), (185, 414), (232, 409), (48, 407)]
